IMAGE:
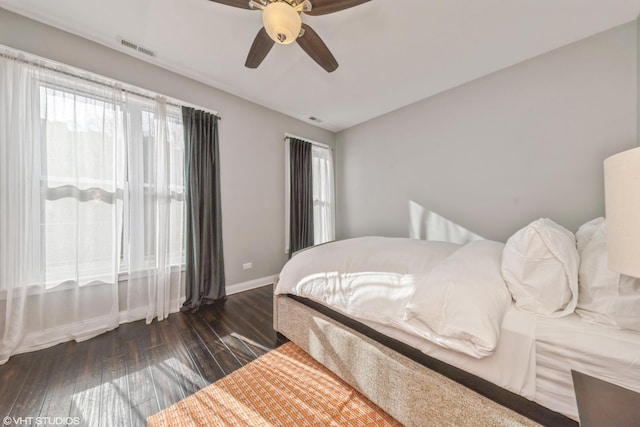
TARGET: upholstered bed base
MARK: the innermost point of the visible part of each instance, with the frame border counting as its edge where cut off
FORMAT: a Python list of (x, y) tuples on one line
[(409, 391)]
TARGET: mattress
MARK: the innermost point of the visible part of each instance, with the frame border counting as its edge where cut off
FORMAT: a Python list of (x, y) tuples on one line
[(567, 343)]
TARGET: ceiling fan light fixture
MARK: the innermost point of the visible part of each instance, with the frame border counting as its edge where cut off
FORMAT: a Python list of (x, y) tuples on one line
[(282, 22)]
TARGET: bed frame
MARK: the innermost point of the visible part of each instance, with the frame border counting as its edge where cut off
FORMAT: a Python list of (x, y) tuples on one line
[(393, 375)]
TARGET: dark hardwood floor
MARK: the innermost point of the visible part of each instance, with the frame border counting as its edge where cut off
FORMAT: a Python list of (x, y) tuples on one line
[(121, 377)]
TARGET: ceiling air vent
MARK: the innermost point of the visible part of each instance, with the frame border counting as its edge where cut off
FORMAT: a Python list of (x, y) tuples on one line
[(136, 47)]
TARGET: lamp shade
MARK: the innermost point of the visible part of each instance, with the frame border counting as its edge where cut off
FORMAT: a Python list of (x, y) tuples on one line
[(281, 22), (622, 199)]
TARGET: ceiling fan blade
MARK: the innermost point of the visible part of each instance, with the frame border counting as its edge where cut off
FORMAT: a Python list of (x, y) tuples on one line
[(323, 7), (311, 43), (242, 4), (262, 44)]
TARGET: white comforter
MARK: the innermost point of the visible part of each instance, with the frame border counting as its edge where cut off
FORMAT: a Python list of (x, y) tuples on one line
[(450, 294)]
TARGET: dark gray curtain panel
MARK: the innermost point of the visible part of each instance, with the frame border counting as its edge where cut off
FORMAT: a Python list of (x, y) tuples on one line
[(301, 206), (204, 278)]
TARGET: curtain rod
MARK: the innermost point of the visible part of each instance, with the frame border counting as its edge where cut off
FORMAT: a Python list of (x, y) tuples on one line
[(42, 63), (319, 144)]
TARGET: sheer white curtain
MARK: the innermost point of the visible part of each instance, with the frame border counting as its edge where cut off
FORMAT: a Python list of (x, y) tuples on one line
[(323, 195), (90, 205), (19, 201), (154, 254)]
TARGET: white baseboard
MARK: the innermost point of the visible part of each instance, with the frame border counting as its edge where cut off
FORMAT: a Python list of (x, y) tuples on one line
[(251, 284)]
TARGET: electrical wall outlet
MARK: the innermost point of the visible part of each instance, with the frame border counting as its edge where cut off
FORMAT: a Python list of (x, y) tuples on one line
[(246, 266)]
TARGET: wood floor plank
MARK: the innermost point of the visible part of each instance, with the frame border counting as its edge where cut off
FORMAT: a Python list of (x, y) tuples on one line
[(62, 381), (133, 330), (140, 412), (108, 345), (179, 321), (228, 326), (90, 369), (253, 346), (27, 391), (167, 386), (224, 333), (184, 367), (255, 324), (114, 393), (206, 362), (139, 378), (225, 358), (85, 402)]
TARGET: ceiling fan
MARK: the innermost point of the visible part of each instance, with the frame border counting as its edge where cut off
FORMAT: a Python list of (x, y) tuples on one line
[(283, 25)]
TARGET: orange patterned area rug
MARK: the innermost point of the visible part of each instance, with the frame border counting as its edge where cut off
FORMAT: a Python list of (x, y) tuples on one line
[(285, 387)]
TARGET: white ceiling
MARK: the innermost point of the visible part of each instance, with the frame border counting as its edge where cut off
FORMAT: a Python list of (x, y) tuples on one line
[(391, 53)]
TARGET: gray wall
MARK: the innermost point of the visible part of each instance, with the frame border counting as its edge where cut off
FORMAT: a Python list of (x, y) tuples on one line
[(251, 141), (498, 152)]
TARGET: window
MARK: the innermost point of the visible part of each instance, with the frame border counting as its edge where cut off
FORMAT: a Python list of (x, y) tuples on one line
[(154, 178), (323, 198), (323, 193), (103, 177), (82, 181)]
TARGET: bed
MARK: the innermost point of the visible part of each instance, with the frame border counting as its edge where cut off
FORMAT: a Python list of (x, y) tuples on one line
[(527, 368)]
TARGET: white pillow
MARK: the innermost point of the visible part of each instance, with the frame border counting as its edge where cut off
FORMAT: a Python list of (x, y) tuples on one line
[(586, 232), (540, 267), (606, 298), (460, 304)]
